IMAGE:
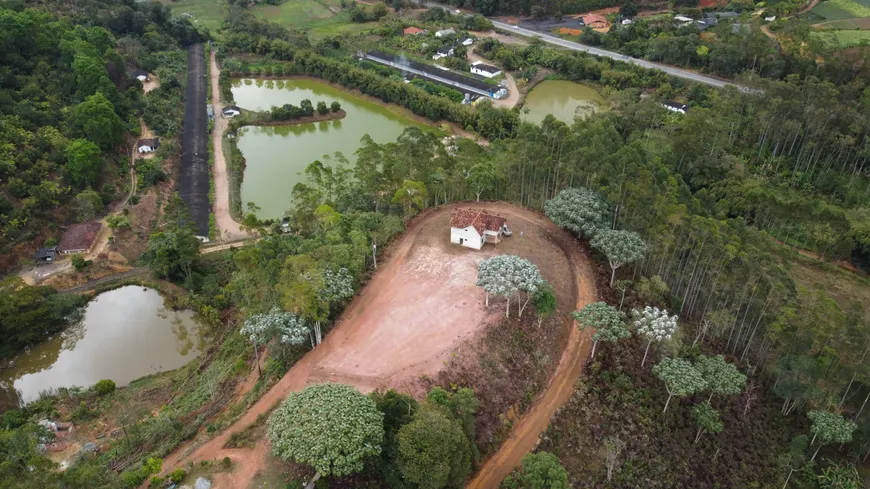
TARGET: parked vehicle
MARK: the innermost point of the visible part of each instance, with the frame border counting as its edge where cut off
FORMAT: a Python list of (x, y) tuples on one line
[(505, 230)]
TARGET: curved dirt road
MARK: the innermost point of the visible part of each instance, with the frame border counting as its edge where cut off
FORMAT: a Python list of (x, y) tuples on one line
[(227, 226), (387, 338)]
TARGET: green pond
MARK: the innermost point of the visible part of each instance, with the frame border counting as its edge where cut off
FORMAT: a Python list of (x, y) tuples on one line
[(122, 335), (563, 99), (277, 155)]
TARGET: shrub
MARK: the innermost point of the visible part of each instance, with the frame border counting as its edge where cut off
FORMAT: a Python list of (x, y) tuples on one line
[(79, 262), (156, 481), (105, 386), (177, 475), (149, 172), (227, 463), (321, 108), (335, 107)]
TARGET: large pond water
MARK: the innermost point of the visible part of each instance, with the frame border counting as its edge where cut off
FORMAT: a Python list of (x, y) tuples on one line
[(277, 155), (563, 99), (123, 334)]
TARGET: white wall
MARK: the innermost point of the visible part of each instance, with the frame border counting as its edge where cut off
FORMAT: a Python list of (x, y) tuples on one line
[(484, 73), (469, 235)]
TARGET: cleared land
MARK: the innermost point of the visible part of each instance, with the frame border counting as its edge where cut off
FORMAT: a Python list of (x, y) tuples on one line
[(419, 307), (208, 13), (321, 17), (842, 9), (843, 39)]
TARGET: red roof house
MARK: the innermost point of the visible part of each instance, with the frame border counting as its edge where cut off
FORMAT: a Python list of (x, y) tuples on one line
[(595, 21), (474, 227), (413, 31), (79, 238)]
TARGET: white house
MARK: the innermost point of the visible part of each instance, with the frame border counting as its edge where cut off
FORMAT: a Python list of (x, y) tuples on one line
[(443, 52), (231, 111), (478, 68), (682, 19), (445, 32), (626, 21), (678, 107), (140, 75), (473, 228), (148, 145)]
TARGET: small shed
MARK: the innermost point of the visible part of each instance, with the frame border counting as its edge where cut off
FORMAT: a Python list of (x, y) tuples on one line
[(473, 228), (45, 255), (209, 111), (140, 75), (231, 111), (79, 238), (467, 41), (445, 32), (443, 52), (148, 145)]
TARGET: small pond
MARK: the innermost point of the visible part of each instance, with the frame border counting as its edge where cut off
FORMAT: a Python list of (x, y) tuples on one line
[(563, 99), (123, 334), (277, 155)]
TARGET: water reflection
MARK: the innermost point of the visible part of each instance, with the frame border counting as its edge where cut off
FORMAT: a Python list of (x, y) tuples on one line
[(276, 156), (564, 99), (124, 334)]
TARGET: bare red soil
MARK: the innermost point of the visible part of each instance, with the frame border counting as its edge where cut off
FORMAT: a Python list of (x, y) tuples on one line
[(419, 307)]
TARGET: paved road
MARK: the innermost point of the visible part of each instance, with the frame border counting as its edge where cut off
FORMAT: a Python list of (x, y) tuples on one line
[(557, 41)]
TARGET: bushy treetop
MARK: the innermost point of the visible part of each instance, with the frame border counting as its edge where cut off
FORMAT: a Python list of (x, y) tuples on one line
[(579, 210)]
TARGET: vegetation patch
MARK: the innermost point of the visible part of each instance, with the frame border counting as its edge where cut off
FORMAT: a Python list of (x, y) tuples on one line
[(843, 39), (841, 9)]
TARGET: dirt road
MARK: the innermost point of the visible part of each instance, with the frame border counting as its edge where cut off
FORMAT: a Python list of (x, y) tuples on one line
[(229, 229), (513, 97), (418, 308)]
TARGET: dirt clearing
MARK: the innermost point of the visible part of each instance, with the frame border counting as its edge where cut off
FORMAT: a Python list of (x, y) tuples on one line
[(419, 307)]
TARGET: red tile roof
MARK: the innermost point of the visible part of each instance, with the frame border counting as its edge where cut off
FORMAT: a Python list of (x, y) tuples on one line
[(412, 31), (590, 19), (480, 219), (79, 236)]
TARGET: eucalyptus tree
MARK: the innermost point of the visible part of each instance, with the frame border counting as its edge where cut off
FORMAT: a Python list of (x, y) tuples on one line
[(506, 275), (544, 301), (829, 428), (720, 376), (609, 323), (655, 325), (681, 378), (541, 470), (260, 329), (707, 419), (330, 427), (579, 210), (620, 247)]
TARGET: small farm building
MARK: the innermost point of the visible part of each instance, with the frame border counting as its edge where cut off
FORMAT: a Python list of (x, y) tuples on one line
[(676, 106), (481, 69), (45, 255), (413, 31), (474, 227), (79, 238), (595, 21), (140, 75), (148, 145)]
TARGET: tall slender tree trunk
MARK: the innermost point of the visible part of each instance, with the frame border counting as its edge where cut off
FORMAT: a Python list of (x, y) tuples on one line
[(698, 435), (314, 479), (790, 472), (594, 344), (645, 353), (612, 276), (670, 396)]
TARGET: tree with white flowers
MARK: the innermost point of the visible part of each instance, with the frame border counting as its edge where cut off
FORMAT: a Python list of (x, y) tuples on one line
[(260, 329), (330, 427), (721, 377), (620, 247), (507, 275), (681, 378), (609, 323), (829, 428), (655, 325), (579, 210)]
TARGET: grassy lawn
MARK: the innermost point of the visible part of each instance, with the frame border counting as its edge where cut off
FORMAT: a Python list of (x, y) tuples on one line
[(843, 286), (323, 18), (843, 9), (843, 39), (209, 13)]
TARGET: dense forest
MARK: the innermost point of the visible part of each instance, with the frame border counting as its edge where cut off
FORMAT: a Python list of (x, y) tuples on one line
[(68, 99)]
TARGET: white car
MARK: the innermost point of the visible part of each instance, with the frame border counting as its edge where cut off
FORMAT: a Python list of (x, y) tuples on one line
[(516, 27), (505, 230), (457, 11)]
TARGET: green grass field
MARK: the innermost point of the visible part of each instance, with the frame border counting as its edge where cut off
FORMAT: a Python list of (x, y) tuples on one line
[(843, 39), (210, 13), (845, 287), (843, 9), (324, 18)]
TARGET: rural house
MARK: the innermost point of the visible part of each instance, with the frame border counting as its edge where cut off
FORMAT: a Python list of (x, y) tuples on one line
[(231, 111), (472, 228), (467, 41), (481, 69), (148, 145), (445, 32), (443, 52), (595, 21), (79, 238), (412, 31)]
